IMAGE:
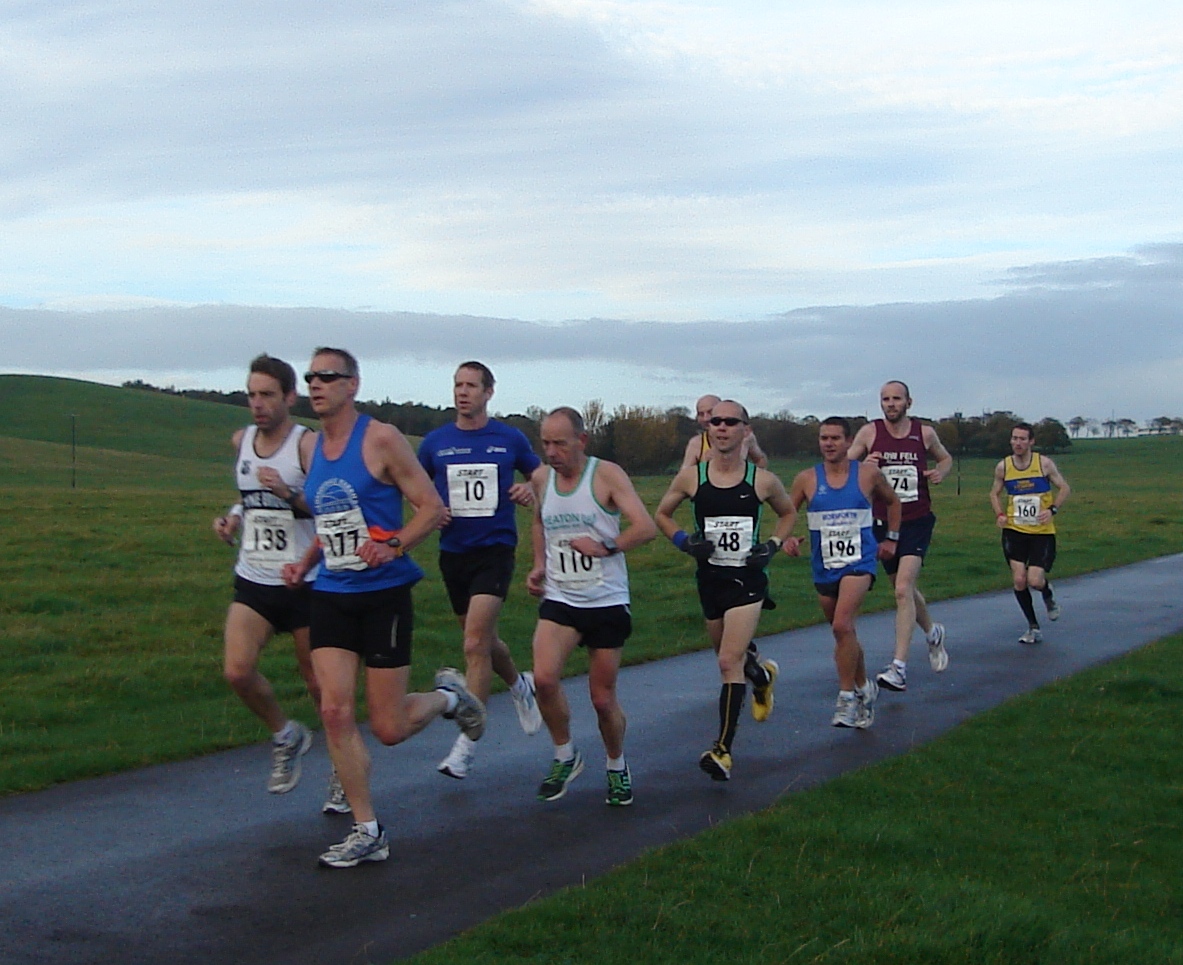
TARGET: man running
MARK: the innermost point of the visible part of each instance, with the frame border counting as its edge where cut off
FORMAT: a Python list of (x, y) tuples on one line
[(698, 448), (472, 463), (728, 494), (361, 599), (837, 494), (1028, 522), (580, 574), (902, 447), (275, 528)]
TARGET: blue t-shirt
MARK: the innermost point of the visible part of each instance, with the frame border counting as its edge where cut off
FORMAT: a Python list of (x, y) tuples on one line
[(472, 470)]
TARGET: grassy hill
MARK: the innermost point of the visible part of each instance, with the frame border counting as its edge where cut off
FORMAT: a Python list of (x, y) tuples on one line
[(38, 408)]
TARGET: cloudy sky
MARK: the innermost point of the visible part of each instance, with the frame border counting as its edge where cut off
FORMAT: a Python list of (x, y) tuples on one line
[(631, 200)]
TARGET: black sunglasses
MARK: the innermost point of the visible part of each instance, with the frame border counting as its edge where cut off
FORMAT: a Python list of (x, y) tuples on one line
[(726, 420), (326, 376)]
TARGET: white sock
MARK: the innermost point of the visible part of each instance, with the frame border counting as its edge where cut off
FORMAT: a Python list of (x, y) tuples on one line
[(451, 698), (931, 635), (286, 735), (371, 827), (616, 763), (901, 666), (848, 694), (465, 742), (565, 752), (520, 687)]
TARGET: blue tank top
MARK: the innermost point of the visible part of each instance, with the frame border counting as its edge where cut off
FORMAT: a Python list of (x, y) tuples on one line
[(351, 506), (840, 534)]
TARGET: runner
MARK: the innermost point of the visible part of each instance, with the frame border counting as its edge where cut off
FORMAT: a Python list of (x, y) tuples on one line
[(275, 527), (1028, 522), (698, 448), (901, 447), (728, 494), (361, 600), (837, 494), (472, 463), (580, 574)]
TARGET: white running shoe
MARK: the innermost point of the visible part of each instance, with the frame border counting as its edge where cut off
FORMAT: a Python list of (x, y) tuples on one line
[(459, 759), (1053, 610), (845, 711), (866, 704), (470, 712), (285, 760), (357, 847), (529, 716), (938, 656), (1032, 636), (892, 678), (335, 800)]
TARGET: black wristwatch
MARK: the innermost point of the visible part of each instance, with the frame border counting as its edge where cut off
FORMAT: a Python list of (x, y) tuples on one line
[(395, 544)]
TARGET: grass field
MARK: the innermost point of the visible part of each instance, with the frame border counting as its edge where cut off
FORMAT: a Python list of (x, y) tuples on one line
[(115, 591)]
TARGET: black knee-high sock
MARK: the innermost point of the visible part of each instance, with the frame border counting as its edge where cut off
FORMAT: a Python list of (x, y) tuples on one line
[(1048, 596), (1028, 608), (752, 669), (730, 704)]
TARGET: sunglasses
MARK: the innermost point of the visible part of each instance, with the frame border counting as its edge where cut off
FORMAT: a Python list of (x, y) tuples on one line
[(326, 376), (729, 420)]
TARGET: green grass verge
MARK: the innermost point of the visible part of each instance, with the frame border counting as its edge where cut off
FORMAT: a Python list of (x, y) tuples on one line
[(1044, 831)]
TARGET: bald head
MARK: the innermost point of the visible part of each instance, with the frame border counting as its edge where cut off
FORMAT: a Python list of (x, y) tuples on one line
[(702, 409)]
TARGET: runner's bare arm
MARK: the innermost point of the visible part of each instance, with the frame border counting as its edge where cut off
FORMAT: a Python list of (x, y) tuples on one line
[(800, 492), (679, 491), (755, 453), (1063, 490), (860, 445), (386, 450), (996, 492), (936, 449), (693, 448), (615, 490), (895, 510), (536, 579)]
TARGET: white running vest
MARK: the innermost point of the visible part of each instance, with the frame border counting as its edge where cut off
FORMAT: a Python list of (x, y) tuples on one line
[(270, 535), (572, 578)]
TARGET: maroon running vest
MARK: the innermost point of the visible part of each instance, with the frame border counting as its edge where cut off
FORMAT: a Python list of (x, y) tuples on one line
[(910, 484)]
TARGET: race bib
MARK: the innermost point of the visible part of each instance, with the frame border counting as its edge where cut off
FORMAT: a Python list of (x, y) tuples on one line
[(569, 569), (340, 535), (841, 545), (268, 537), (732, 536), (1025, 510), (905, 480), (473, 489)]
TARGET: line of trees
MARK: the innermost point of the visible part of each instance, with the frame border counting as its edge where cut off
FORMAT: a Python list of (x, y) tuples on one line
[(646, 439)]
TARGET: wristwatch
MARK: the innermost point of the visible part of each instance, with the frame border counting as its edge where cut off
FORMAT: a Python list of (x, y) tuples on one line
[(395, 544), (893, 535)]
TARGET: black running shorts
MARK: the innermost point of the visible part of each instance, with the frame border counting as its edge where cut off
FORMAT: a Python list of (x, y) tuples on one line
[(600, 627), (286, 610), (488, 571), (377, 624), (1032, 549)]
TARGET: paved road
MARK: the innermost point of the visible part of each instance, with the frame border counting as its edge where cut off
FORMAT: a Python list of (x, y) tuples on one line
[(194, 862)]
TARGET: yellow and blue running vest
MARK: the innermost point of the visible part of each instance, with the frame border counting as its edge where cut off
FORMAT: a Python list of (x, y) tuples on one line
[(1028, 492)]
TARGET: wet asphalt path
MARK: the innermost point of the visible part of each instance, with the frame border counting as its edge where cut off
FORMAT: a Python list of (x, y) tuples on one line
[(194, 862)]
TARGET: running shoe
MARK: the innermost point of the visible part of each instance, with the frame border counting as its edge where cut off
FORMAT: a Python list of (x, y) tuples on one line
[(1053, 609), (1033, 635), (620, 788), (285, 760), (335, 800), (938, 656), (470, 712), (357, 847), (717, 763), (892, 678), (459, 759), (845, 711), (527, 706), (561, 774), (762, 697), (865, 716)]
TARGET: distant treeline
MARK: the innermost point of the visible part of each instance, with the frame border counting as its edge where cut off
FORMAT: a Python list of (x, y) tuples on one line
[(646, 439)]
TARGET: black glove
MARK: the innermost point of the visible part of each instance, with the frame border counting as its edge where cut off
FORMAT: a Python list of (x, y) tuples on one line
[(698, 546), (761, 555)]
